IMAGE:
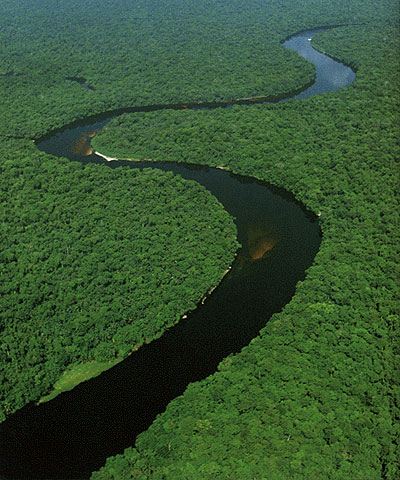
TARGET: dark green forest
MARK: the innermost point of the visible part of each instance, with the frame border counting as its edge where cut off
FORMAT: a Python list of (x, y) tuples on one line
[(313, 396), (146, 52), (84, 270)]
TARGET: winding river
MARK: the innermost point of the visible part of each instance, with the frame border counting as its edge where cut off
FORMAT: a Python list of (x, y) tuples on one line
[(72, 435)]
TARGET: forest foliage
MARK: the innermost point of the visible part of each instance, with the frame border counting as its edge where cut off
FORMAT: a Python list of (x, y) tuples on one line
[(315, 395), (150, 51), (316, 391), (85, 275)]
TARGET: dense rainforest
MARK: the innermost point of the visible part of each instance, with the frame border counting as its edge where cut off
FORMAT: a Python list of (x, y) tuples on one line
[(321, 398), (146, 52), (85, 248), (314, 395)]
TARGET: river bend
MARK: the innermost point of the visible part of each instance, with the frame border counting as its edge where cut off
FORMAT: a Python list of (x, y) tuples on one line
[(72, 435)]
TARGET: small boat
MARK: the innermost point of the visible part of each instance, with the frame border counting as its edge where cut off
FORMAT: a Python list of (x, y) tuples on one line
[(309, 39)]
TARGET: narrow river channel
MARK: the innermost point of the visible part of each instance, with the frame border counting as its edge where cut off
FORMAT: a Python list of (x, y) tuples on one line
[(72, 435)]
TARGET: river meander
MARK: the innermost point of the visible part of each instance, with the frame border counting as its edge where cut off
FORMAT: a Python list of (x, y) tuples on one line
[(72, 435)]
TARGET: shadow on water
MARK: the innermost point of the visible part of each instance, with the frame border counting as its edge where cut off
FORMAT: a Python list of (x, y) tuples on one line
[(73, 434)]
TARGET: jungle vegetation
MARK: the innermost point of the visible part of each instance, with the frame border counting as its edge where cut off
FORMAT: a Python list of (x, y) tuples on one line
[(314, 395), (150, 52), (85, 275)]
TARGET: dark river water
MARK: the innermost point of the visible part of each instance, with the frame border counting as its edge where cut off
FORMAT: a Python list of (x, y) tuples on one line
[(72, 435)]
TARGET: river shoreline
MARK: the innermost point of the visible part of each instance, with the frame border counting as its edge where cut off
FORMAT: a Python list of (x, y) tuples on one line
[(60, 442)]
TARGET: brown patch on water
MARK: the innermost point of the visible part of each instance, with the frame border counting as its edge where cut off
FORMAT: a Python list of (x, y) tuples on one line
[(82, 145), (259, 243)]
